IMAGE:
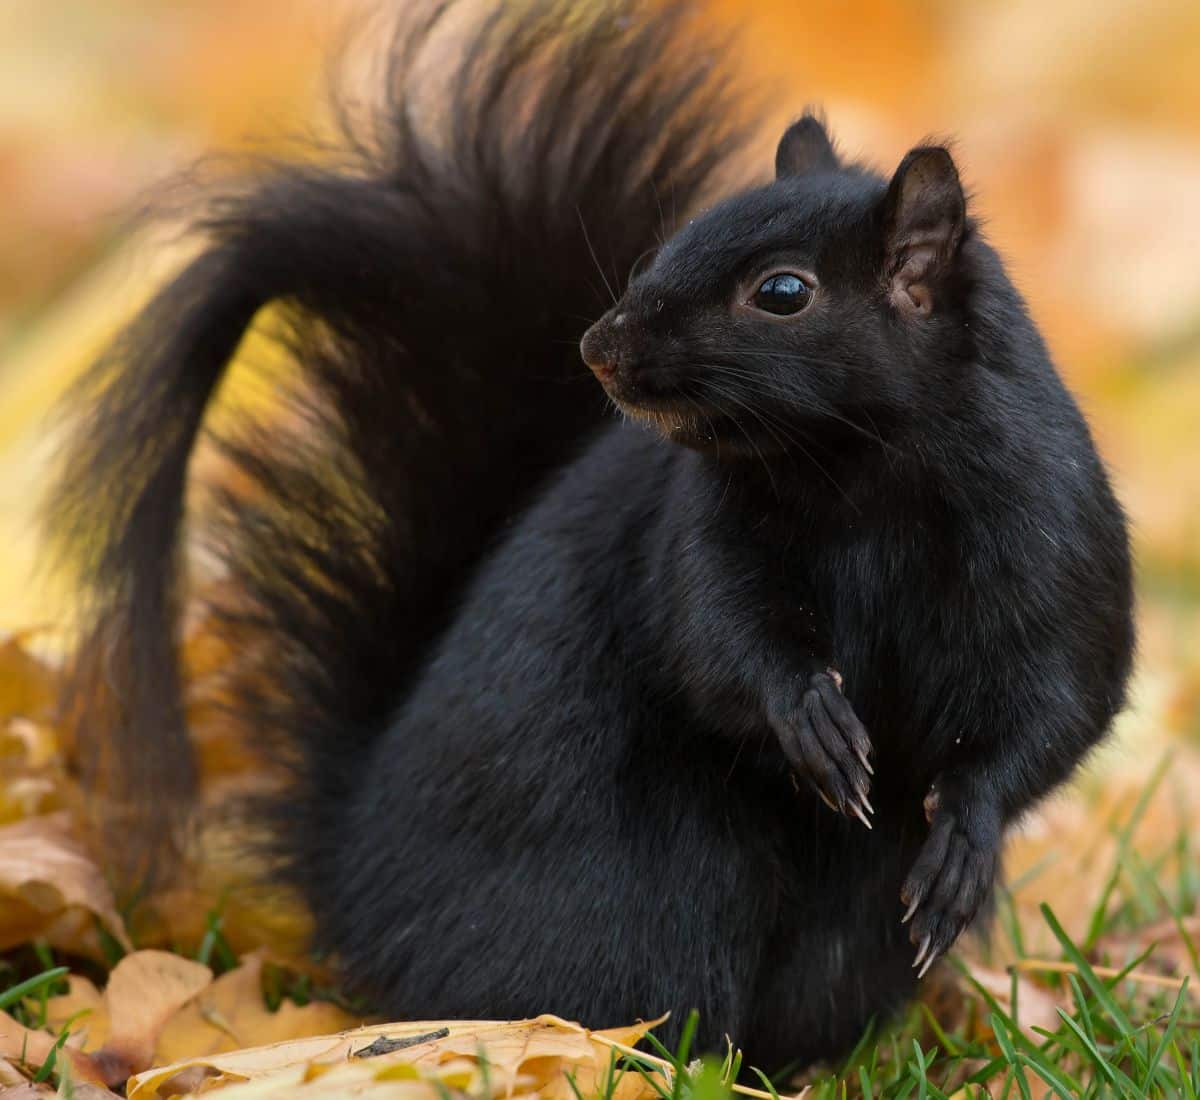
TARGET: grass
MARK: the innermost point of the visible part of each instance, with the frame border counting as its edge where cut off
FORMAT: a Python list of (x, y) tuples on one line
[(1123, 1028), (1113, 1040)]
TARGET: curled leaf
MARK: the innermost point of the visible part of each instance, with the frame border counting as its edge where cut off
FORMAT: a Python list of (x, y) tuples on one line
[(44, 874), (523, 1057)]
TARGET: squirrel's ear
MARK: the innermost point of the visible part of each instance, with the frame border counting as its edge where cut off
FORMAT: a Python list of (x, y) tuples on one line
[(924, 215), (805, 147)]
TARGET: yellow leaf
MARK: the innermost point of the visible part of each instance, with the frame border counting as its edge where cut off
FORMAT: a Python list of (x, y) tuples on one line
[(27, 796), (31, 1047), (83, 1009), (523, 1057), (144, 991), (44, 874), (28, 686), (231, 1013), (29, 743)]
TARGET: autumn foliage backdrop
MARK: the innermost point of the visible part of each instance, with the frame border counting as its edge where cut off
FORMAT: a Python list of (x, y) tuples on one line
[(1077, 126)]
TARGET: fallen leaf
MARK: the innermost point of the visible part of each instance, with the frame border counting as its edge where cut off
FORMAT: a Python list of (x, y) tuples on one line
[(83, 1009), (28, 685), (144, 991), (23, 796), (355, 1080), (80, 1090), (45, 873), (1172, 954), (26, 1090), (231, 1013), (523, 1057), (31, 1047), (1036, 1006), (32, 780), (9, 1074), (28, 743)]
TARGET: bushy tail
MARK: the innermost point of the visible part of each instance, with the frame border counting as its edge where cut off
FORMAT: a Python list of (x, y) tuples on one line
[(435, 285)]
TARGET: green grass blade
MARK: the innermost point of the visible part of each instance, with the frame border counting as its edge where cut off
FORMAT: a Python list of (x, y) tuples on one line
[(1168, 1037), (16, 993), (1124, 840), (1099, 989), (1090, 1049), (766, 1082), (1003, 1039)]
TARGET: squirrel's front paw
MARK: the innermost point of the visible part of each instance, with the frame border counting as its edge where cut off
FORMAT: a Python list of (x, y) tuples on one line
[(952, 876), (824, 740)]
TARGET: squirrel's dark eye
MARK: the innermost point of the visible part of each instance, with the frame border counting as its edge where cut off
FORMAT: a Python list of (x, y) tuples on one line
[(782, 294)]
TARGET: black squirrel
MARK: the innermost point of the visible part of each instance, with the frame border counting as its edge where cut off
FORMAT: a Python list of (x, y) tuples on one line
[(610, 717)]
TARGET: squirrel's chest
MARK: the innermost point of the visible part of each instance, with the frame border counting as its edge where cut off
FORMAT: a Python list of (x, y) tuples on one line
[(907, 618), (877, 579)]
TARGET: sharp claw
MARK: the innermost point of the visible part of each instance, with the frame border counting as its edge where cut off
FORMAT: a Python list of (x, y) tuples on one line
[(862, 759), (908, 913), (867, 805), (825, 798), (922, 951), (933, 955), (856, 810)]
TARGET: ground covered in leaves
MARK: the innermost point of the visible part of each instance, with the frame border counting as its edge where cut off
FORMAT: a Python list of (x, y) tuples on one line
[(1085, 984), (1078, 127)]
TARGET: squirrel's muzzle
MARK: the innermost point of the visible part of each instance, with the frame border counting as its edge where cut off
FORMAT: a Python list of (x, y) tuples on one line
[(601, 345)]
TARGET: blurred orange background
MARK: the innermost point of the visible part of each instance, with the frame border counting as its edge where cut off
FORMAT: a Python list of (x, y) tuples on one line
[(1077, 125)]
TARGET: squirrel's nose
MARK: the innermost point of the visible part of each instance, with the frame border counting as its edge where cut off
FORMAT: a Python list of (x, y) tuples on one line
[(599, 347)]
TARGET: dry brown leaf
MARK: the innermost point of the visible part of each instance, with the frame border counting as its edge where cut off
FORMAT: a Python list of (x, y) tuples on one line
[(80, 1090), (162, 1002), (28, 685), (231, 1014), (28, 743), (522, 1057), (45, 874), (26, 1090), (83, 1008), (1036, 1006), (1064, 852), (30, 1047), (23, 796), (30, 763), (144, 991), (350, 1080), (1169, 939), (31, 772), (9, 1074)]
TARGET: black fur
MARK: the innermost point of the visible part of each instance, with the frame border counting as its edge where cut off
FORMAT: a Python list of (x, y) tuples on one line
[(622, 759), (434, 282)]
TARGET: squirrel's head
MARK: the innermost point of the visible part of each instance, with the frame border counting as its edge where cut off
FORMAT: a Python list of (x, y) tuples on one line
[(825, 302)]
